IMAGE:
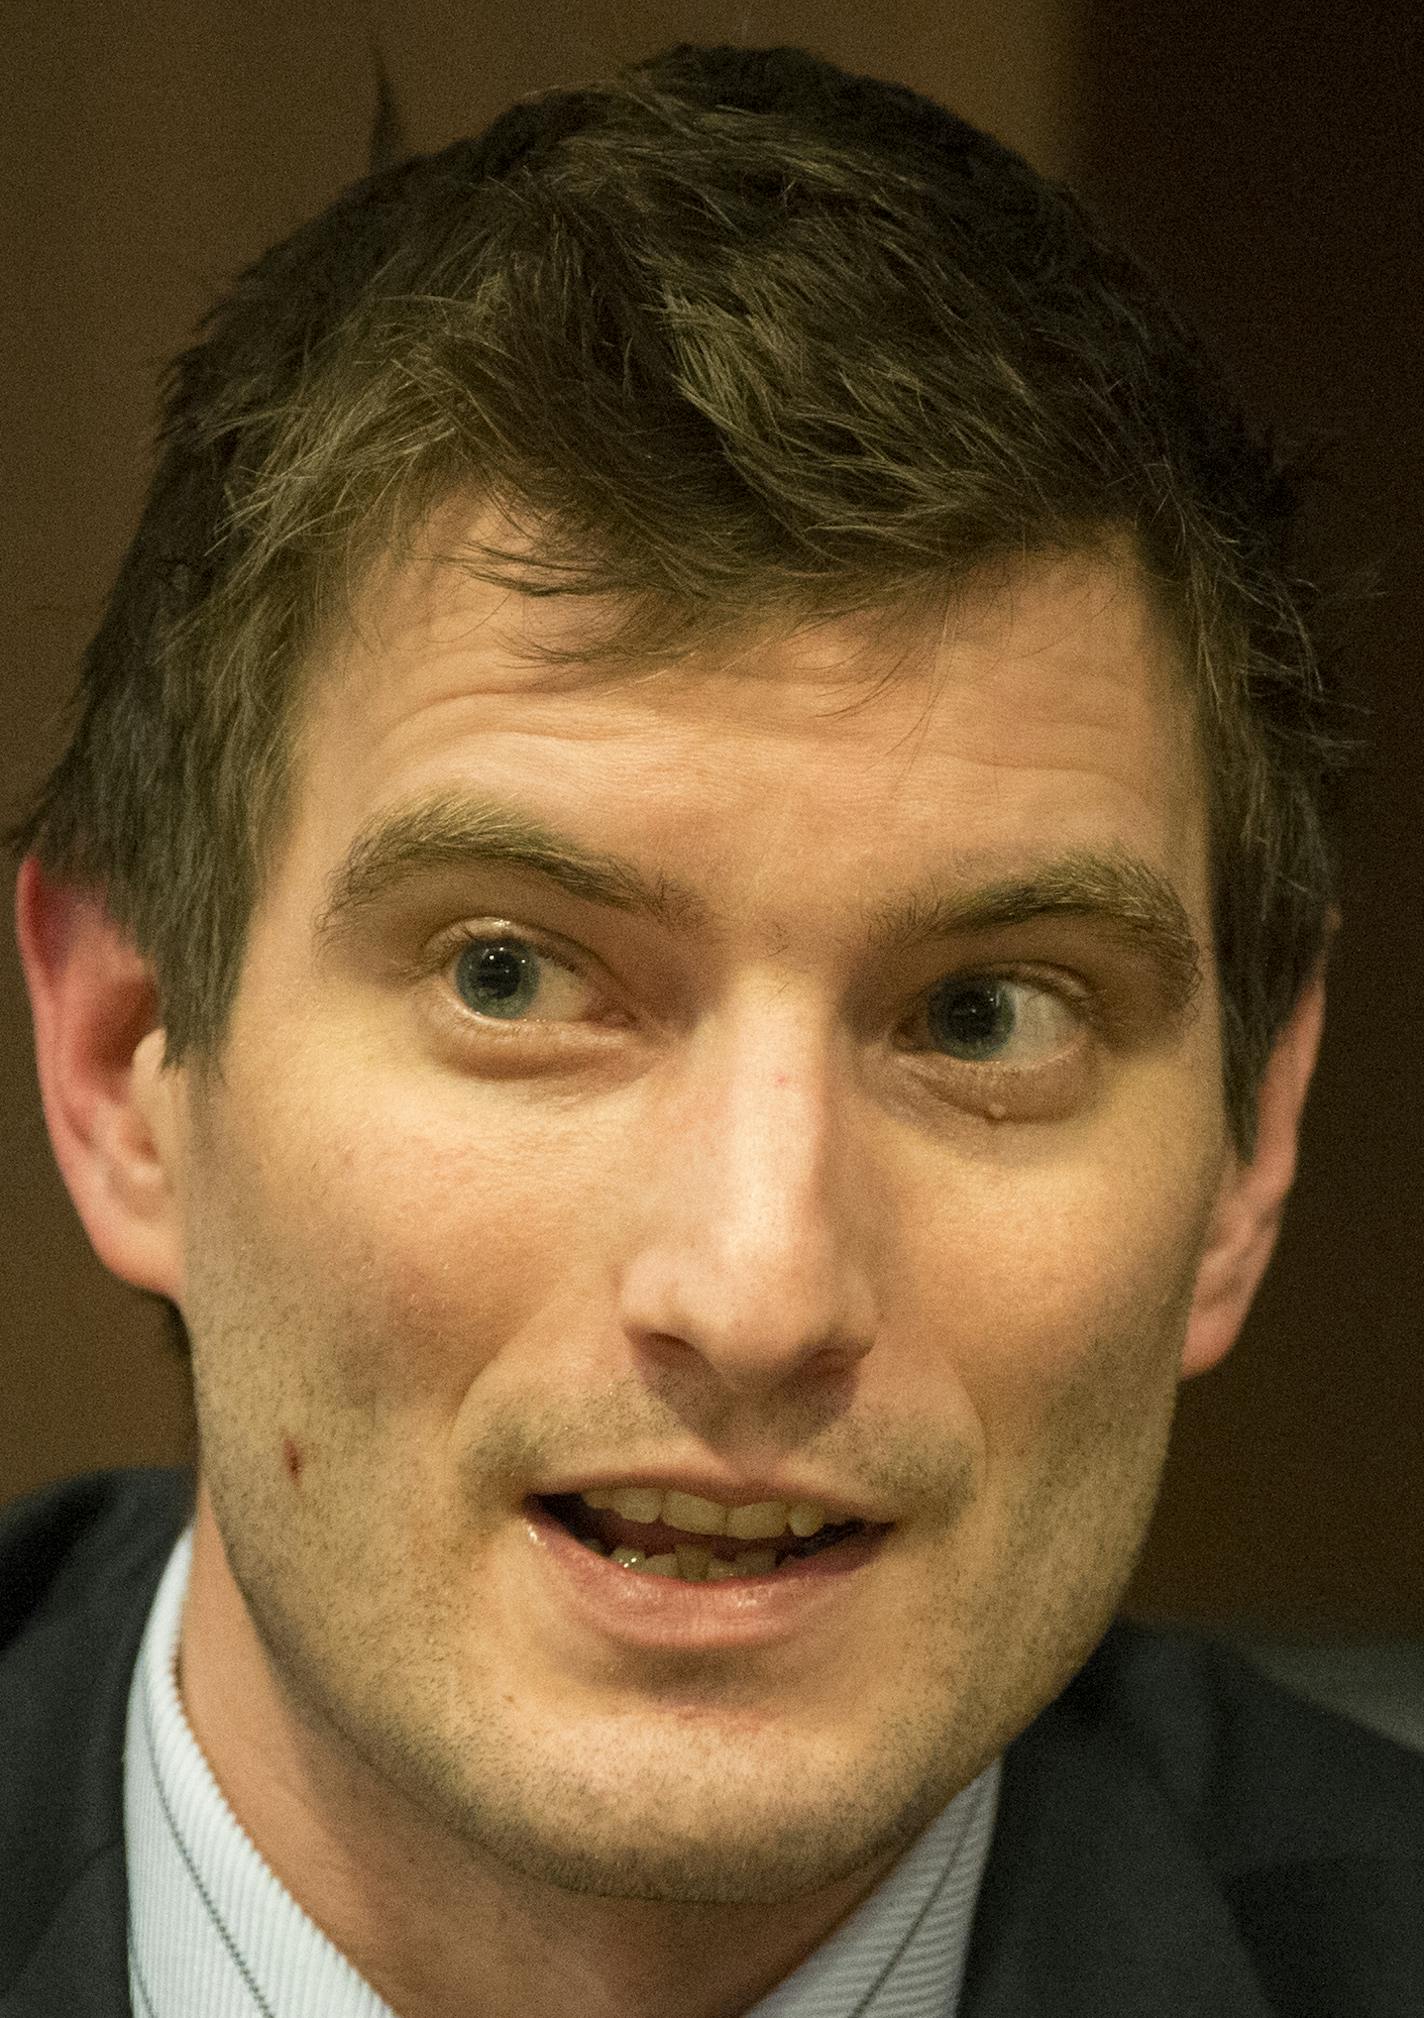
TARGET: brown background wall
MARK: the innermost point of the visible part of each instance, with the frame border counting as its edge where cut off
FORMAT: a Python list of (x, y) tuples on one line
[(152, 150), (1267, 161)]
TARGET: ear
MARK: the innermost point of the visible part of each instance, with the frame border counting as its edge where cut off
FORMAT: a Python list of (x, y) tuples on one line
[(111, 1109), (1251, 1202)]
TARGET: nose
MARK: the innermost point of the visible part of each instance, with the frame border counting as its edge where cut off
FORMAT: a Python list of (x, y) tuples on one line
[(753, 1249)]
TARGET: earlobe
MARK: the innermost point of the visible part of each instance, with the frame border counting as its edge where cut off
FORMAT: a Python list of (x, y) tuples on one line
[(1252, 1200), (108, 1104)]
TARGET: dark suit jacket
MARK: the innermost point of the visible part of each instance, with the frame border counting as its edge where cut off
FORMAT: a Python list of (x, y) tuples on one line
[(1177, 1837)]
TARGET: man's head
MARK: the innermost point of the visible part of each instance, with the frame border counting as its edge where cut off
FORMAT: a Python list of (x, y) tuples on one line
[(735, 337), (694, 863)]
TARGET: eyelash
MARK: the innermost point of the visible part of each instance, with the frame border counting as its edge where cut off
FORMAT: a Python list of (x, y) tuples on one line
[(1072, 994)]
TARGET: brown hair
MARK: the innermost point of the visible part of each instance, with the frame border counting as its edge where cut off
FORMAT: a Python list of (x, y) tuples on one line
[(732, 336)]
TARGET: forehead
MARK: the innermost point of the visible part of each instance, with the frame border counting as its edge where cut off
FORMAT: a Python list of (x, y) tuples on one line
[(1039, 701)]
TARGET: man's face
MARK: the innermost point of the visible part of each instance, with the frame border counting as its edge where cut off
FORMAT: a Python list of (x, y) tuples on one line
[(750, 1158)]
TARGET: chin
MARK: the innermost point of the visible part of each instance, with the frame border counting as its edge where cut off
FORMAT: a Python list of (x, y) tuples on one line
[(709, 1817)]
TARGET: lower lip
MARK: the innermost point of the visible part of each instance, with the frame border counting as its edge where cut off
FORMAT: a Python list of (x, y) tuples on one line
[(671, 1612)]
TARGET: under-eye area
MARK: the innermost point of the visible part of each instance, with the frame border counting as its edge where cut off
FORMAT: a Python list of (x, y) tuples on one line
[(675, 1534)]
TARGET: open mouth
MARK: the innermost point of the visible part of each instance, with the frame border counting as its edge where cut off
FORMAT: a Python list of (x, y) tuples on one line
[(662, 1546)]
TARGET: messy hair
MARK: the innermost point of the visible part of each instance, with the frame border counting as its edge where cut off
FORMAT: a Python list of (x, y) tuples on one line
[(731, 337)]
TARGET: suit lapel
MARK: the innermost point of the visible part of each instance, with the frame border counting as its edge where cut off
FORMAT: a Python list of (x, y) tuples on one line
[(79, 1969), (95, 1549), (1096, 1898)]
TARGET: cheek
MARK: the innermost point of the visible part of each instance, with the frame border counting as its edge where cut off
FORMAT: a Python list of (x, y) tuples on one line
[(412, 1244), (1047, 1283), (1061, 1307)]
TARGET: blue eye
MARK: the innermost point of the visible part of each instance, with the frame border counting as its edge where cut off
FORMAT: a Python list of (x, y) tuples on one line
[(994, 1019), (975, 1018), (497, 977)]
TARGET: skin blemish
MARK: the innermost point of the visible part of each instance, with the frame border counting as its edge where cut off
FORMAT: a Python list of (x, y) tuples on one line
[(292, 1460)]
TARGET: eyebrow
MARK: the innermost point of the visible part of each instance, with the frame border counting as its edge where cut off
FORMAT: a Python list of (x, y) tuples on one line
[(1114, 889), (460, 833)]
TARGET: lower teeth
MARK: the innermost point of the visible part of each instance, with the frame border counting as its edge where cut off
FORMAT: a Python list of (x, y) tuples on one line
[(692, 1565)]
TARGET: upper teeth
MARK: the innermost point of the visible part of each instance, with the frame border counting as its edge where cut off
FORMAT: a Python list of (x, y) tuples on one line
[(761, 1521)]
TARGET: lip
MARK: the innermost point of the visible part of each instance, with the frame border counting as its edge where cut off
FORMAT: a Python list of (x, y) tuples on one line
[(669, 1614)]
